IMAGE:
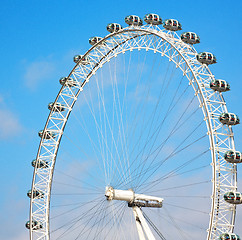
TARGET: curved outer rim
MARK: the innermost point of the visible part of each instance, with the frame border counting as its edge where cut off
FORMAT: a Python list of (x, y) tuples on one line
[(205, 103)]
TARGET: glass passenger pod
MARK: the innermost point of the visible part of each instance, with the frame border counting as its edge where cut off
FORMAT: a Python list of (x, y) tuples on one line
[(56, 108), (80, 58), (133, 20), (233, 197), (46, 135), (206, 58), (35, 225), (68, 82), (114, 27), (190, 37), (229, 119), (41, 164), (36, 194), (229, 236), (233, 157), (153, 19), (219, 85), (94, 40), (172, 25)]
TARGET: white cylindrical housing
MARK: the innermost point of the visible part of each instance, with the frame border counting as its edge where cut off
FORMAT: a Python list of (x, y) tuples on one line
[(123, 195)]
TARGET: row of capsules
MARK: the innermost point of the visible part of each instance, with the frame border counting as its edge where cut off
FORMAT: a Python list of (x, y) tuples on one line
[(216, 85)]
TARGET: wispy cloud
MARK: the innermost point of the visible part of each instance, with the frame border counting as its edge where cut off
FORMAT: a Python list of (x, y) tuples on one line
[(14, 211), (36, 72), (9, 124)]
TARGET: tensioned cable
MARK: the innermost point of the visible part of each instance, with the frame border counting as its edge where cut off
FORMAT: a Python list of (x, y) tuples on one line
[(76, 186), (124, 98), (174, 171), (172, 155), (176, 196), (137, 144), (182, 233), (185, 185), (85, 129), (109, 126), (101, 219), (117, 220), (76, 219), (135, 112), (161, 146), (164, 92), (99, 131), (73, 194), (172, 132), (162, 215), (119, 214), (151, 122), (88, 214), (80, 206), (190, 209), (161, 94), (79, 180), (146, 143), (119, 118), (98, 221), (153, 226), (80, 218)]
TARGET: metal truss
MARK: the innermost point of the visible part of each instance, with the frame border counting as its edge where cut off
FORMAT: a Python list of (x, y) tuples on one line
[(168, 44)]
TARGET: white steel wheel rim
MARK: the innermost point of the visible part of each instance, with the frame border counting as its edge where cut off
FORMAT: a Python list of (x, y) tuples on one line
[(212, 104)]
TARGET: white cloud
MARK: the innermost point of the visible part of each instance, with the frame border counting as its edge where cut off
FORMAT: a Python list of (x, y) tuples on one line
[(9, 124), (36, 72), (14, 213)]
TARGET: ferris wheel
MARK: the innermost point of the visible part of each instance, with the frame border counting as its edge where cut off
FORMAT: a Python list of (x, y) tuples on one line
[(148, 151)]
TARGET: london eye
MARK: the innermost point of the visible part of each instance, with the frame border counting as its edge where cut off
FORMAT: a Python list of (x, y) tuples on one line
[(138, 143)]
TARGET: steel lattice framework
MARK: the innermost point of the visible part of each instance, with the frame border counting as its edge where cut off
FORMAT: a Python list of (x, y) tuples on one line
[(168, 44)]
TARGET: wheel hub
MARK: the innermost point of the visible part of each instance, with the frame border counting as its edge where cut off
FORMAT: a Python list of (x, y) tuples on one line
[(133, 199)]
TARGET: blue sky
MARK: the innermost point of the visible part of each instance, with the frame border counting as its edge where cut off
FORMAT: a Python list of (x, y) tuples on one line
[(38, 41)]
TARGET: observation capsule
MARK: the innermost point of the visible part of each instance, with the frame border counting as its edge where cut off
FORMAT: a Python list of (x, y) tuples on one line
[(219, 85), (114, 27), (83, 60), (68, 82), (153, 19), (35, 225), (57, 107), (233, 156), (36, 194), (233, 197), (229, 236), (190, 37), (229, 119), (41, 163), (206, 58), (133, 20), (46, 135), (172, 25), (94, 40)]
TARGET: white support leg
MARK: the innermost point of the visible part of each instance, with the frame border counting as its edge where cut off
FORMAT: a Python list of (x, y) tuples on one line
[(142, 225), (138, 225)]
